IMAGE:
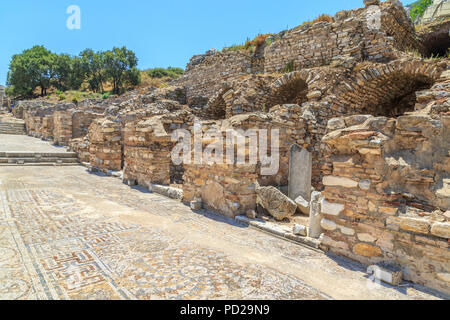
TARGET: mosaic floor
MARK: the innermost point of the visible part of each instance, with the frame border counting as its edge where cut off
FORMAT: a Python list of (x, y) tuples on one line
[(68, 234)]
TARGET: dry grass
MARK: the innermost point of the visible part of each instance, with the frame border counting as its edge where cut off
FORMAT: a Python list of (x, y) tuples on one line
[(147, 81), (323, 18), (250, 45)]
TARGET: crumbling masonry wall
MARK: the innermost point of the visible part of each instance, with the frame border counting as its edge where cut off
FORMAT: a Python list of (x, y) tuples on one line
[(377, 33), (147, 148), (231, 188), (386, 192), (105, 145)]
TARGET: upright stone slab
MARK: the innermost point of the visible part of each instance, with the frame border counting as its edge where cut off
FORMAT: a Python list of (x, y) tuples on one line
[(315, 216), (300, 172)]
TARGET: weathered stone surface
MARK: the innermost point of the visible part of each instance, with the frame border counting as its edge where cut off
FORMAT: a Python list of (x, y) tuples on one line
[(300, 230), (330, 208), (170, 192), (366, 237), (315, 216), (371, 2), (303, 205), (415, 225), (364, 184), (366, 250), (347, 231), (443, 276), (196, 204), (340, 182), (300, 171), (389, 274), (276, 203), (328, 225), (441, 230), (251, 214), (327, 241), (336, 124)]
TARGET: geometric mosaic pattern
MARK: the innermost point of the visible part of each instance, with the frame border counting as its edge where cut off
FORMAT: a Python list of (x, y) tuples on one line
[(49, 252)]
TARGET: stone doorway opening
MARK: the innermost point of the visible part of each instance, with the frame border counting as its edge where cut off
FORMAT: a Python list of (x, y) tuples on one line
[(176, 174), (437, 41), (384, 92), (291, 90)]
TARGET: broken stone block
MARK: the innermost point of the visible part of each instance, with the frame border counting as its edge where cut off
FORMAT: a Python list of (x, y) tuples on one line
[(275, 202), (300, 230), (386, 273), (335, 124), (170, 192), (315, 216), (441, 230), (196, 204), (302, 204)]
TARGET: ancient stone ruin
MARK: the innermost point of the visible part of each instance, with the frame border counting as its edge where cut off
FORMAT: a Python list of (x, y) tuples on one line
[(364, 137)]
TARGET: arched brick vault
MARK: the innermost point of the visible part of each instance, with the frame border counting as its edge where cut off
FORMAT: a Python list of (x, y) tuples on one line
[(260, 93), (290, 88), (386, 90), (216, 107)]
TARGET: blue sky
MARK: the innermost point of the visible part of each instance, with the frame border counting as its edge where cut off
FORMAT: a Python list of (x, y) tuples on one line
[(162, 33)]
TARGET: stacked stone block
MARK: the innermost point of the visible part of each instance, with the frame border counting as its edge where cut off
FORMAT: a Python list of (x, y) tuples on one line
[(148, 145), (387, 195), (105, 137)]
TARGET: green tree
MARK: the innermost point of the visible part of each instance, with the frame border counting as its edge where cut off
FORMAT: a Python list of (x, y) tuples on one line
[(418, 8), (93, 66), (33, 68), (68, 72), (120, 68)]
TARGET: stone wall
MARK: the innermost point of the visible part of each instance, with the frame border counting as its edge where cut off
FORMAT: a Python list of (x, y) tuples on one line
[(230, 188), (105, 138), (81, 146), (47, 127), (387, 194), (148, 146), (206, 73), (62, 127), (377, 33)]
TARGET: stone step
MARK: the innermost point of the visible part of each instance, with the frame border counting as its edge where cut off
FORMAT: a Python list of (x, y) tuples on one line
[(38, 160), (38, 164), (19, 154)]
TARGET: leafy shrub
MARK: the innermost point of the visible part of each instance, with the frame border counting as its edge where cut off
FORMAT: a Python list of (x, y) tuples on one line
[(418, 8), (236, 47), (170, 72), (290, 67), (107, 95), (61, 97)]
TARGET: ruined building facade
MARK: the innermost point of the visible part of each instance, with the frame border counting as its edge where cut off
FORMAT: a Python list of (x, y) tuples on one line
[(352, 91)]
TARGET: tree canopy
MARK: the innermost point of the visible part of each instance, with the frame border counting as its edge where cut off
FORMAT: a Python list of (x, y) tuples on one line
[(418, 8), (39, 68)]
